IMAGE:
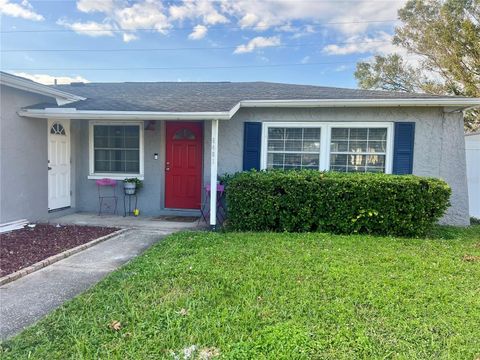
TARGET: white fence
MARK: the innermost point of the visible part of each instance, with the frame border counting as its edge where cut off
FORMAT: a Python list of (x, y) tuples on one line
[(472, 148)]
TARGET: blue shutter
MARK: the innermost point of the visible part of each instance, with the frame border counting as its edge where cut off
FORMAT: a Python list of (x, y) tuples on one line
[(252, 142), (403, 148)]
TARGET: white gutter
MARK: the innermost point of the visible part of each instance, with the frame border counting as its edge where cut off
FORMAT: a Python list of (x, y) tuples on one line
[(462, 102), (61, 97), (72, 113)]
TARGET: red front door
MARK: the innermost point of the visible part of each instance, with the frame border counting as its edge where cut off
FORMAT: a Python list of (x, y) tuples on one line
[(183, 168)]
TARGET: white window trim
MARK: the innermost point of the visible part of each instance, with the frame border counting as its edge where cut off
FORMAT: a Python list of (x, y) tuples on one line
[(325, 136), (115, 176)]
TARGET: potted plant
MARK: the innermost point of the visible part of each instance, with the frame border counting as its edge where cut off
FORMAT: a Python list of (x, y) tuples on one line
[(130, 185)]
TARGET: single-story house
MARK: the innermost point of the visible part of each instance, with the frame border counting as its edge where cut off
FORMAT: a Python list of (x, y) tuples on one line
[(179, 136), (472, 153)]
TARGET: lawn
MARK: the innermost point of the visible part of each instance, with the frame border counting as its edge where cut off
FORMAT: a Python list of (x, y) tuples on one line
[(276, 296)]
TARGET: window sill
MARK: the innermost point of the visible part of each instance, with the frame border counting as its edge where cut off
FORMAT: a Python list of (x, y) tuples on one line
[(114, 176)]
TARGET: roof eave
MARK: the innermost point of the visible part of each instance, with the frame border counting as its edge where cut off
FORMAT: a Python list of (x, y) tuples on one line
[(61, 97), (72, 113), (435, 102)]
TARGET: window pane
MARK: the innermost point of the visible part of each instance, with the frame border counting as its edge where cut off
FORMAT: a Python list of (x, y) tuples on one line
[(338, 159), (310, 160), (377, 134), (311, 134), (276, 145), (117, 166), (340, 134), (357, 160), (338, 168), (102, 166), (358, 134), (132, 167), (132, 142), (102, 155), (366, 149), (276, 133), (293, 134), (132, 155), (132, 131), (377, 146), (293, 148), (293, 145), (376, 160), (116, 148), (116, 142), (311, 146), (101, 141), (357, 146), (99, 130), (339, 146), (293, 160)]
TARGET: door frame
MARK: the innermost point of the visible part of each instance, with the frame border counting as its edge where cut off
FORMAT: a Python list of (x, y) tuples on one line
[(202, 129), (66, 124)]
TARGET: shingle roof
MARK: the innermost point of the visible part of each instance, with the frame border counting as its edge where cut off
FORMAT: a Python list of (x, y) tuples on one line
[(205, 96)]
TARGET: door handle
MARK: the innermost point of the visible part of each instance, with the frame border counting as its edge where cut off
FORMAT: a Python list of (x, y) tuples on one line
[(49, 168), (167, 169)]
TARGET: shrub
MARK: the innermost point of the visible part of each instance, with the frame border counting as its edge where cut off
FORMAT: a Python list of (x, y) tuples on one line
[(308, 200)]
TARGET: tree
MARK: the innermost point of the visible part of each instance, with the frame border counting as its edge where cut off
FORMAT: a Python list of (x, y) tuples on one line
[(445, 36)]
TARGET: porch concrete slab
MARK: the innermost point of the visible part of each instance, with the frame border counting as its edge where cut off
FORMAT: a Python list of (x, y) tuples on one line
[(132, 222), (26, 300)]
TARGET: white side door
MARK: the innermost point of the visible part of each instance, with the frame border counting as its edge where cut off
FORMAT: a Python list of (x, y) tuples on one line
[(58, 164)]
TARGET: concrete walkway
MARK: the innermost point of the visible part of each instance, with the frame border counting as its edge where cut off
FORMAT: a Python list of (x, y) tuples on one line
[(26, 300), (130, 222)]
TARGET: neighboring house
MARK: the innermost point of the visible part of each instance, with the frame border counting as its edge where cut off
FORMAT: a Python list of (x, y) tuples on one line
[(178, 137), (472, 149)]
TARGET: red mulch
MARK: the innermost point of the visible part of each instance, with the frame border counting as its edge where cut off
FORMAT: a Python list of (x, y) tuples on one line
[(24, 247)]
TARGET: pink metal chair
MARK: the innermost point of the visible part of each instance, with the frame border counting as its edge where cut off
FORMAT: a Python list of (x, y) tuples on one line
[(205, 208), (106, 191)]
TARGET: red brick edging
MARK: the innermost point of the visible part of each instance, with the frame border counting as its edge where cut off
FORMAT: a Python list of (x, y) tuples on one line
[(54, 258)]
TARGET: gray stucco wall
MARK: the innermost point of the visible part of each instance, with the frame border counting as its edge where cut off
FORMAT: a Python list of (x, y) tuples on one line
[(150, 198), (439, 149), (23, 159)]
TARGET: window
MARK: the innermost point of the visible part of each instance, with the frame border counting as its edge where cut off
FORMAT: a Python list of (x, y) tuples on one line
[(358, 149), (184, 134), (336, 146), (293, 148), (116, 149), (57, 129)]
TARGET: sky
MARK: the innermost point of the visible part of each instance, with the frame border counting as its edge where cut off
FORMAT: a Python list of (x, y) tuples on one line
[(314, 42)]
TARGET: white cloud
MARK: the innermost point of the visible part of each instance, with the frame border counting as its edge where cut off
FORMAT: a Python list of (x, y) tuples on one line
[(127, 37), (198, 32), (279, 16), (379, 44), (89, 28), (263, 15), (120, 15), (88, 6), (142, 15), (197, 9), (257, 43), (50, 80), (22, 10)]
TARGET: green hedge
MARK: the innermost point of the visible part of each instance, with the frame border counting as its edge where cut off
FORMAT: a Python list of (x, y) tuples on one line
[(306, 200)]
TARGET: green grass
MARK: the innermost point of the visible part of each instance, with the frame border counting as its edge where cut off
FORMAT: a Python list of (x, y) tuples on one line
[(277, 296)]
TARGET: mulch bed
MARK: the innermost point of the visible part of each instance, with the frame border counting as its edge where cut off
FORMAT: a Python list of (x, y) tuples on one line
[(24, 247)]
